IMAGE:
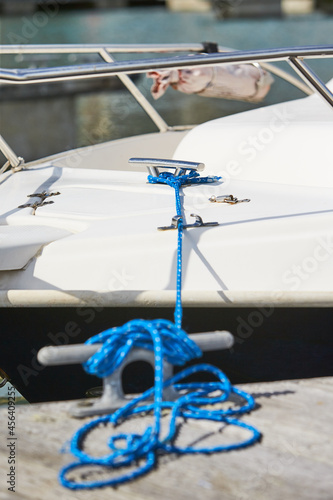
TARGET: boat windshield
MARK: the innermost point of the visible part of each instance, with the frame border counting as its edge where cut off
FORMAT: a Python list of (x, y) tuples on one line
[(163, 62)]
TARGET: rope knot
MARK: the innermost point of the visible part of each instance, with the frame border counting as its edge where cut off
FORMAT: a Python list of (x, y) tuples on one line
[(160, 335), (174, 181)]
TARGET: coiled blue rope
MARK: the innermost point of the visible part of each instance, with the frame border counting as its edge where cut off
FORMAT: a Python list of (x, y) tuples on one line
[(168, 341)]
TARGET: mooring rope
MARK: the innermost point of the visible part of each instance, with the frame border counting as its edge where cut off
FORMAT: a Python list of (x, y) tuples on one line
[(176, 182), (168, 342)]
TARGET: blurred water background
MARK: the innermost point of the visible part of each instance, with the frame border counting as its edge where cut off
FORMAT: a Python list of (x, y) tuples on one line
[(61, 120)]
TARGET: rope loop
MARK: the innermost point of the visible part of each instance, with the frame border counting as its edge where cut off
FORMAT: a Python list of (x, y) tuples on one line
[(172, 180), (176, 346), (129, 449), (169, 342)]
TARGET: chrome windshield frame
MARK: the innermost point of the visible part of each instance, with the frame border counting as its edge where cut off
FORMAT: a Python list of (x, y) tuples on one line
[(294, 56)]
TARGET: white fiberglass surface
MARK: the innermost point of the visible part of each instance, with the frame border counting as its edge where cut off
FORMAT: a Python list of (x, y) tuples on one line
[(285, 143), (269, 243)]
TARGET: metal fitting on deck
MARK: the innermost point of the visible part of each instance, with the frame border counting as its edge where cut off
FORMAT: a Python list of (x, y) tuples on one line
[(113, 396)]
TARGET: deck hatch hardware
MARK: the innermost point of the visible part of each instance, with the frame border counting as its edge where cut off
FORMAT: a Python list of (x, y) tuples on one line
[(43, 194), (227, 198), (41, 202), (198, 223)]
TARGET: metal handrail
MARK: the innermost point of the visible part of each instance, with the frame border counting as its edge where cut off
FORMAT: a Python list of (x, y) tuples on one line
[(138, 48), (95, 48), (28, 76), (301, 51), (225, 55), (141, 66)]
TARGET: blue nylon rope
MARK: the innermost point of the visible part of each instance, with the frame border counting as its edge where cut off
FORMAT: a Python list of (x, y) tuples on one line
[(176, 182), (168, 341)]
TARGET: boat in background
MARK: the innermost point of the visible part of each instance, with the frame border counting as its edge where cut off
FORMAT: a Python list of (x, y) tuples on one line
[(79, 239)]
